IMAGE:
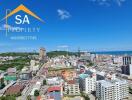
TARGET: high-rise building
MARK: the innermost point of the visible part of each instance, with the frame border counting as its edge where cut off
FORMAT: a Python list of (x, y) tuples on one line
[(87, 83), (127, 65), (127, 69), (127, 60), (42, 53), (112, 90)]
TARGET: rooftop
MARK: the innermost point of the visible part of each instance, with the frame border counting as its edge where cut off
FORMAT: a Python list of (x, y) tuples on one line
[(14, 89), (83, 76), (55, 95), (54, 88), (109, 83), (74, 81), (11, 70), (106, 83)]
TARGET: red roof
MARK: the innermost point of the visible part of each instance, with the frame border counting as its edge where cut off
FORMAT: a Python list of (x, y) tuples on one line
[(14, 89), (71, 82), (39, 98), (54, 88)]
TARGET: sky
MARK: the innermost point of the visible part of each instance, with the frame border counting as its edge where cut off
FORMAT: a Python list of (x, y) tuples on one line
[(92, 25)]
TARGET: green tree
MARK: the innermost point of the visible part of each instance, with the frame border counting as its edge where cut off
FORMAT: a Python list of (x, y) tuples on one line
[(91, 64), (44, 82), (130, 90), (36, 93), (34, 74), (12, 97), (86, 97), (2, 98), (2, 85), (28, 97), (9, 97)]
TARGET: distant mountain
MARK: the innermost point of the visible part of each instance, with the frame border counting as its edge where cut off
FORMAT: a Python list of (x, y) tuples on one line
[(58, 53), (23, 54)]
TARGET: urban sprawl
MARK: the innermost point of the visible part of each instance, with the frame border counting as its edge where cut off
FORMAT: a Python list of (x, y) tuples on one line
[(62, 75)]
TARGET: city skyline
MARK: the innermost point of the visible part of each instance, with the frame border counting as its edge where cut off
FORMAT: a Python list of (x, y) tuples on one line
[(89, 25)]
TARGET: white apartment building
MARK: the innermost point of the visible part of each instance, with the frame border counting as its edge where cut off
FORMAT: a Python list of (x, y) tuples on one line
[(118, 60), (72, 87), (54, 81), (87, 83), (112, 90)]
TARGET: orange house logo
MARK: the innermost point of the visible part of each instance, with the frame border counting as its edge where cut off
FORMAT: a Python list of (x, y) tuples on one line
[(19, 19), (24, 9)]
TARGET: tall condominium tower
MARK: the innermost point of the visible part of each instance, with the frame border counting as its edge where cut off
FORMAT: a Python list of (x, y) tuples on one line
[(42, 53), (112, 90), (127, 60)]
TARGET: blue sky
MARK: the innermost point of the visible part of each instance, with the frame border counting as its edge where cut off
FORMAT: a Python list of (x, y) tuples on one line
[(94, 25)]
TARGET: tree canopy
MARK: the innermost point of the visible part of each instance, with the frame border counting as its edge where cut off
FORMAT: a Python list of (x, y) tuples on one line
[(36, 93)]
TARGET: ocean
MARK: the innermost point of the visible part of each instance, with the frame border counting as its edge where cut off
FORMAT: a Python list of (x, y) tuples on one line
[(115, 52)]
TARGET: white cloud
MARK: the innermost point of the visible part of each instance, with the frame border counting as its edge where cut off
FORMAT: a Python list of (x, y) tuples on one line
[(63, 46), (63, 14), (108, 2), (119, 2)]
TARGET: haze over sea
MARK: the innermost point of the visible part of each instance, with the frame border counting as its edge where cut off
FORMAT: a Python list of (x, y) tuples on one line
[(115, 52)]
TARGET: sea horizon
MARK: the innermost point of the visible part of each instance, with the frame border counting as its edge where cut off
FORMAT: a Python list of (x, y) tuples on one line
[(125, 52)]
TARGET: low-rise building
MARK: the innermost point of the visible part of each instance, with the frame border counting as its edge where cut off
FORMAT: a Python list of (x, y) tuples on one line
[(9, 78), (71, 87), (25, 75), (54, 92), (54, 81), (14, 90), (11, 71)]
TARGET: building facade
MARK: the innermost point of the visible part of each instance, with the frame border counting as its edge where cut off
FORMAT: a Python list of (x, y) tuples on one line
[(127, 60), (72, 87), (42, 53), (127, 69), (87, 83), (112, 90)]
